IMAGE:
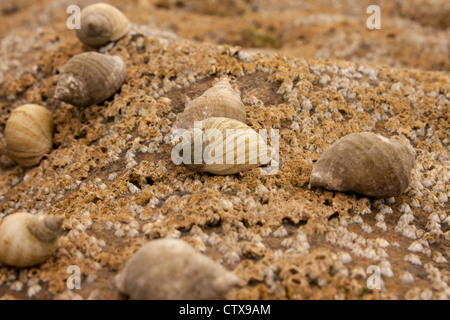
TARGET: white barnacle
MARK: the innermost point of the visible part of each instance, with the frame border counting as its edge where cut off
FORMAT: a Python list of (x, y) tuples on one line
[(381, 225), (357, 220), (366, 228), (406, 277), (415, 247), (439, 258), (16, 286), (386, 210), (344, 257), (280, 232), (412, 258), (382, 243)]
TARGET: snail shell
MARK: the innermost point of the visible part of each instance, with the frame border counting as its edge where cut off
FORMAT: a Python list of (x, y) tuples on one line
[(102, 23), (27, 240), (227, 146), (29, 134), (365, 163), (221, 100), (169, 269), (89, 78)]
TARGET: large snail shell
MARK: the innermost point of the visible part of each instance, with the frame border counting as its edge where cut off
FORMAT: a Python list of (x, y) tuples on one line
[(89, 78), (102, 23), (29, 134), (169, 269), (221, 100), (27, 240), (365, 163), (228, 146)]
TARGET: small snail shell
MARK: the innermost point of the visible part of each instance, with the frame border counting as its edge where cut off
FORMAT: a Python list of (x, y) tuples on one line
[(169, 269), (102, 23), (365, 163), (29, 134), (227, 146), (27, 240), (89, 78), (218, 101)]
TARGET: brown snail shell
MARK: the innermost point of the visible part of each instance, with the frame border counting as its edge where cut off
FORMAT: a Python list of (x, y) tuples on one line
[(102, 23), (27, 240), (221, 100), (232, 147), (365, 163), (89, 78), (169, 269), (29, 134)]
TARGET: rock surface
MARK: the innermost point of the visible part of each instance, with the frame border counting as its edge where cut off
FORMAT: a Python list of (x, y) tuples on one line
[(111, 175)]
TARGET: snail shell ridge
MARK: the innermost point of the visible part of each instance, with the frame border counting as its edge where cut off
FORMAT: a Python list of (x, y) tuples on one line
[(29, 134), (90, 78), (365, 163), (221, 100)]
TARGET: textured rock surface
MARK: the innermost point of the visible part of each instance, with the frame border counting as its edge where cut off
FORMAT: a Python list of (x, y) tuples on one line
[(111, 175)]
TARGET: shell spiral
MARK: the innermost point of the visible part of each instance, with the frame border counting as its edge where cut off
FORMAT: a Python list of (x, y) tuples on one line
[(27, 240), (221, 100), (168, 269), (89, 78), (102, 23), (365, 163), (222, 146), (29, 134)]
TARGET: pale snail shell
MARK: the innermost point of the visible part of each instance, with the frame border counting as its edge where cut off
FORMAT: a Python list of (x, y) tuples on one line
[(365, 163), (102, 23), (27, 240), (29, 134), (170, 269), (228, 146), (89, 78), (221, 100)]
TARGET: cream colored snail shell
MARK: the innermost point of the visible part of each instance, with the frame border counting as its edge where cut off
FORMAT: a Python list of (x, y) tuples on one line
[(27, 240), (227, 146), (29, 134), (365, 163), (170, 269), (89, 78), (221, 100), (102, 23)]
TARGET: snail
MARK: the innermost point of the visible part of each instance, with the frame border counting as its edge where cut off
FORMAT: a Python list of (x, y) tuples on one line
[(102, 23), (218, 101), (170, 269), (27, 240), (89, 78), (29, 134), (221, 146), (365, 163)]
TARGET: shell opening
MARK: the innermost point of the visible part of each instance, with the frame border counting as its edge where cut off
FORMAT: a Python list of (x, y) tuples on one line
[(70, 89)]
